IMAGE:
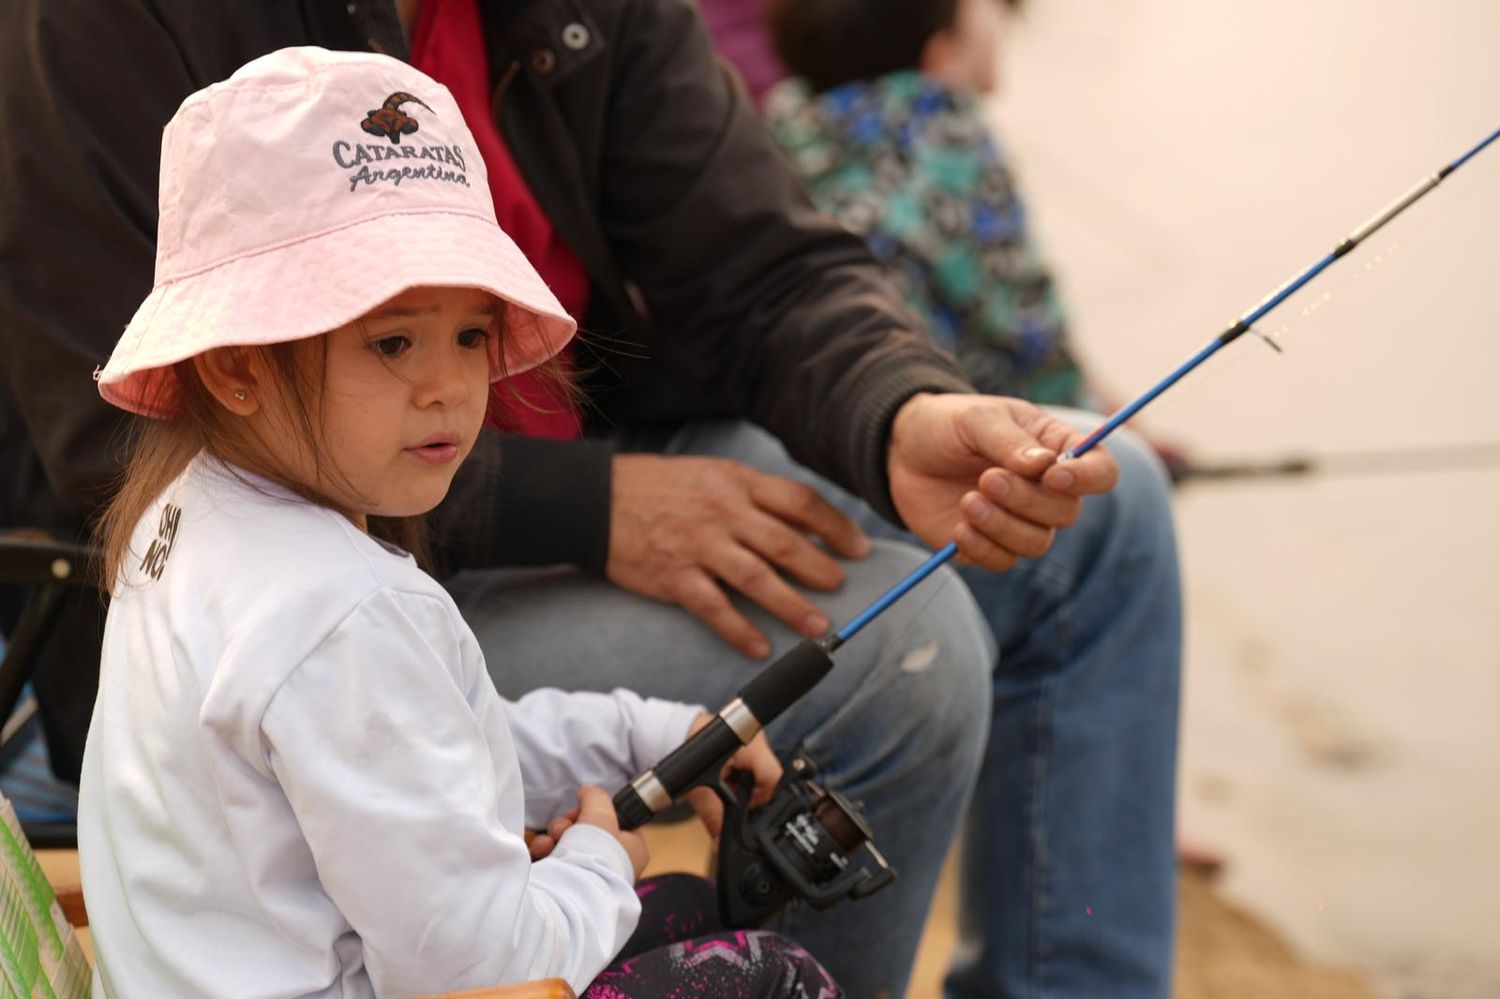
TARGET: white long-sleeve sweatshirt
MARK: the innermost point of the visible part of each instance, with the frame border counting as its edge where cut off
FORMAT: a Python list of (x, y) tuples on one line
[(300, 781)]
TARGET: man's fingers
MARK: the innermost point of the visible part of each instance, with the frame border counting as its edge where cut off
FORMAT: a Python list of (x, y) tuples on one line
[(541, 846), (1005, 442), (1095, 472), (975, 548), (800, 505), (700, 596), (1015, 535), (751, 575), (1029, 500), (789, 550)]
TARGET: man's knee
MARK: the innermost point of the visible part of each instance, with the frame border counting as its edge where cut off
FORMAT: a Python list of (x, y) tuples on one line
[(913, 687), (1140, 509), (1144, 482)]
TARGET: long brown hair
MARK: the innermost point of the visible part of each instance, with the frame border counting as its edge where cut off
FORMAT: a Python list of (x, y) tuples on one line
[(159, 449)]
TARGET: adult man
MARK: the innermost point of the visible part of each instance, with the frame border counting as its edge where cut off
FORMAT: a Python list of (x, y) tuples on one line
[(714, 291)]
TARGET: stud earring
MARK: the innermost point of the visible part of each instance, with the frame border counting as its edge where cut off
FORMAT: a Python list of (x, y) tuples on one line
[(241, 394)]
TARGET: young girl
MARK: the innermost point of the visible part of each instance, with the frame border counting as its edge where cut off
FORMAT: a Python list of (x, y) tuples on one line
[(299, 780)]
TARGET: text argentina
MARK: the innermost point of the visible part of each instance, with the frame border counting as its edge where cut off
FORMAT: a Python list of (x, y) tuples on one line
[(349, 155)]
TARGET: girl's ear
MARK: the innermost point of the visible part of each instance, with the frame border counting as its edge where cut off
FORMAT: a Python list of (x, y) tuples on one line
[(231, 376)]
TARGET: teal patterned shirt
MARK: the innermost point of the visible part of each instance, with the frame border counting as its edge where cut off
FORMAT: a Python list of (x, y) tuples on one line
[(909, 164)]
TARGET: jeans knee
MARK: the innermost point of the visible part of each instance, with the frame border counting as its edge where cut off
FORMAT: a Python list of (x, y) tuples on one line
[(924, 696), (1145, 489), (952, 648), (1131, 527)]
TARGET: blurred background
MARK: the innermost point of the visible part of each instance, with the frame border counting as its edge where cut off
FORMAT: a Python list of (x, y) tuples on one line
[(1182, 158)]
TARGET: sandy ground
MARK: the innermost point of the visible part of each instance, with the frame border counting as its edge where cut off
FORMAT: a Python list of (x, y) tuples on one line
[(1342, 683)]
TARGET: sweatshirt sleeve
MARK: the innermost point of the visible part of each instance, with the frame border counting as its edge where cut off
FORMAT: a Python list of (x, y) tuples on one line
[(564, 739), (406, 789)]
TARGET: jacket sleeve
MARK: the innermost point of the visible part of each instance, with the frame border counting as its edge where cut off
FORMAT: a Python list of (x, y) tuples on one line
[(783, 314), (522, 502), (78, 205), (402, 777)]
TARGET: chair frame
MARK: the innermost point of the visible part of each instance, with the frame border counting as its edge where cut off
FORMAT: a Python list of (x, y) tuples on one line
[(48, 568)]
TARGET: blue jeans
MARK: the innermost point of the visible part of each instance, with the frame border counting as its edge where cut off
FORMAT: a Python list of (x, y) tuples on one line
[(1068, 881)]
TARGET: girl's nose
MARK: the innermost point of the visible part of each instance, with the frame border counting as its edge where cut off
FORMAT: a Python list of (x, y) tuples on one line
[(445, 380)]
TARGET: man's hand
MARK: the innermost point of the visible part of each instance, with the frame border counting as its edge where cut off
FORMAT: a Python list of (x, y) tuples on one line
[(757, 758), (681, 526), (981, 471)]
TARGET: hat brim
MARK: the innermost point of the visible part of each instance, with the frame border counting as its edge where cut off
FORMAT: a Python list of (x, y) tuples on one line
[(321, 283)]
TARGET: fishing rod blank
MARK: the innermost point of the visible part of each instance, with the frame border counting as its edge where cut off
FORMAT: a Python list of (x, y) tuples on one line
[(1388, 461), (1241, 326)]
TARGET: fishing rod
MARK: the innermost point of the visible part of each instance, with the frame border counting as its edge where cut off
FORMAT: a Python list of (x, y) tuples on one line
[(1237, 329), (805, 842)]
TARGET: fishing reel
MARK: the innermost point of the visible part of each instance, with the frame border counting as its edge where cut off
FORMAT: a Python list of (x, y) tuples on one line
[(808, 842)]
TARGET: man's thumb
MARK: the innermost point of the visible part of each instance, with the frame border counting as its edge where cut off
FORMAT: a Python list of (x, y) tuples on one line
[(1007, 444)]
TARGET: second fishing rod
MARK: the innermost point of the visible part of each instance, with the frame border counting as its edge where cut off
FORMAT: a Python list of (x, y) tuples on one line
[(698, 760)]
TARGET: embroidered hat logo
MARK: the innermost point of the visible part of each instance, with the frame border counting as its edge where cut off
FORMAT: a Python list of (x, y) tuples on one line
[(390, 121)]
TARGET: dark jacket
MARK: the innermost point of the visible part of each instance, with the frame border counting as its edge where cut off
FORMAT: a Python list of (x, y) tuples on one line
[(717, 289)]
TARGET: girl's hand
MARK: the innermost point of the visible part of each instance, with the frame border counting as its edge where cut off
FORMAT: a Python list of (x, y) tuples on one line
[(756, 758), (541, 844), (596, 809)]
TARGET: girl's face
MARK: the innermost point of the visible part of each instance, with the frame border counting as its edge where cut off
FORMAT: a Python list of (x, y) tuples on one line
[(404, 395)]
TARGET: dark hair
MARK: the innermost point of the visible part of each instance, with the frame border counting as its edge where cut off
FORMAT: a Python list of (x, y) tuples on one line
[(832, 42)]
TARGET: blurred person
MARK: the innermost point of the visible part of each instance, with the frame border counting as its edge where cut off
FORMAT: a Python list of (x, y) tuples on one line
[(885, 127)]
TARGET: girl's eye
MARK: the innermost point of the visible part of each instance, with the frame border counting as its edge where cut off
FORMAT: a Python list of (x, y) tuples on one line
[(474, 336), (391, 346)]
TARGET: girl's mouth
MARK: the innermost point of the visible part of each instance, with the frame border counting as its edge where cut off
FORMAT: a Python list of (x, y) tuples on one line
[(439, 449)]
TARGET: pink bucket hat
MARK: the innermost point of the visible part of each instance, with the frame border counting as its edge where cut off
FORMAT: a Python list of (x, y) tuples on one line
[(301, 193)]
